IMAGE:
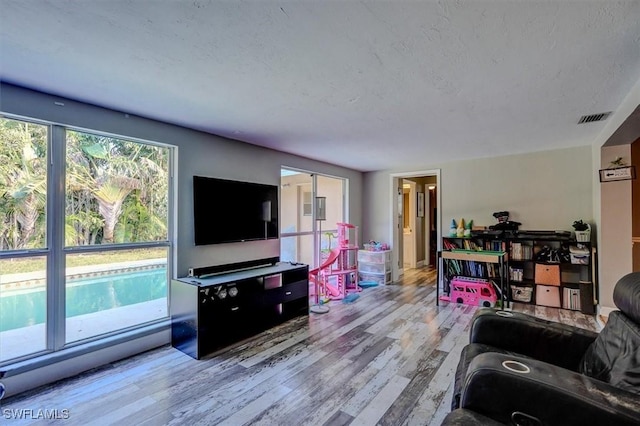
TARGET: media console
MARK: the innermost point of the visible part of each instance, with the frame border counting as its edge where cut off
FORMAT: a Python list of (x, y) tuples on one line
[(209, 313)]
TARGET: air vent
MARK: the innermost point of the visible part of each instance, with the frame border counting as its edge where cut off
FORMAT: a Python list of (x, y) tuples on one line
[(594, 117)]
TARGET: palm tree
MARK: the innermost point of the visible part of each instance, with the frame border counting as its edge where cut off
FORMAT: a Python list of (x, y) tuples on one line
[(22, 184), (110, 169)]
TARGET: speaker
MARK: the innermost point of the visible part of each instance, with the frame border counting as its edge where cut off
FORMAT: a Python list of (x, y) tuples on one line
[(266, 211), (321, 208)]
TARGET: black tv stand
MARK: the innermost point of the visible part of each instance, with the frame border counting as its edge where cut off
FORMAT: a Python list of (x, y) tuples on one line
[(209, 313)]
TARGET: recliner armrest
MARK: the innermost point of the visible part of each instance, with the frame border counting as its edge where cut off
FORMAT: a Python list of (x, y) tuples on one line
[(556, 343), (503, 386)]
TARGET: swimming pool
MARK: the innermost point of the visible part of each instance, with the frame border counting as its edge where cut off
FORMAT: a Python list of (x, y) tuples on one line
[(84, 296)]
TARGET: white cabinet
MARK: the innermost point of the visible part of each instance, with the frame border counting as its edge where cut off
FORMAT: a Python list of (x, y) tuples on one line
[(374, 266)]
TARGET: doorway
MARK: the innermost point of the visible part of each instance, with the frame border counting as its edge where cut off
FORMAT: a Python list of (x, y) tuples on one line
[(415, 224)]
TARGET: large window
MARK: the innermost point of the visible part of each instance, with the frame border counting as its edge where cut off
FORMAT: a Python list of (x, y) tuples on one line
[(84, 236), (23, 237), (116, 194)]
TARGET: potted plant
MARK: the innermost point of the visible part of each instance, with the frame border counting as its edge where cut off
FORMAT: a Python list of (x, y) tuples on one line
[(583, 231)]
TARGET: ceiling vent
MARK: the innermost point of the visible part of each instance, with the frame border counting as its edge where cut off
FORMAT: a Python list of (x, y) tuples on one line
[(594, 117)]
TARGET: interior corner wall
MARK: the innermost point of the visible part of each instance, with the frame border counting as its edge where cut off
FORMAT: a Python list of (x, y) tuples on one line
[(544, 190), (615, 229)]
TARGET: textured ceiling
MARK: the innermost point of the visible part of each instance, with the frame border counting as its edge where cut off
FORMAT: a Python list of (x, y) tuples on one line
[(369, 85)]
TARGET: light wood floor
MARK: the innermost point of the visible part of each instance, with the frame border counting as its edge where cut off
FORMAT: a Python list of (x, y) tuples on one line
[(388, 359)]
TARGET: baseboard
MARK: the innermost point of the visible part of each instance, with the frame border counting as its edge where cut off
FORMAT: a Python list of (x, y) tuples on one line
[(605, 311), (603, 315)]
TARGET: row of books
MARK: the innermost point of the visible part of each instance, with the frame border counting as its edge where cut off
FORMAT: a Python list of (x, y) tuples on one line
[(466, 245), (472, 269), (521, 251), (495, 245)]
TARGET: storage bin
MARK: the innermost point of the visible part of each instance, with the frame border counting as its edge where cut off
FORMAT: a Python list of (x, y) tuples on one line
[(376, 268), (377, 278), (579, 255), (584, 236), (374, 256), (521, 293), (571, 298), (547, 274), (548, 295)]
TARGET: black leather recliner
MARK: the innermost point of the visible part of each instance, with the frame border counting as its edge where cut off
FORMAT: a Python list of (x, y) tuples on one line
[(518, 369)]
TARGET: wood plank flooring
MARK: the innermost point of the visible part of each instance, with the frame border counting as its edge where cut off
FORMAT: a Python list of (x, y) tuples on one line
[(386, 359)]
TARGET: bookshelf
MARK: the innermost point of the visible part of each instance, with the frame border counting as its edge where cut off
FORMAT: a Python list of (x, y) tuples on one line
[(548, 268)]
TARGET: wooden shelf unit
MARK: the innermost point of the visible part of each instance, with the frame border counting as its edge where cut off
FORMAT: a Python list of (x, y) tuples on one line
[(576, 283)]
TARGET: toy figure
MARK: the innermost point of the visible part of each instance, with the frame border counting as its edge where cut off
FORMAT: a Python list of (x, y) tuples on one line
[(460, 231), (467, 229), (452, 228)]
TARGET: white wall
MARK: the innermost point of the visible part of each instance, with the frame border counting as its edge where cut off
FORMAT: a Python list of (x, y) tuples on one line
[(544, 190), (612, 206), (615, 244)]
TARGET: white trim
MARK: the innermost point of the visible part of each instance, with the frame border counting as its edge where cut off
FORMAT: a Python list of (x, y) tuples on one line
[(605, 311), (393, 216)]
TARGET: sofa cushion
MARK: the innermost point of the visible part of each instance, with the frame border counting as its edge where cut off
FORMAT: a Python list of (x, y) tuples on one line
[(626, 296), (614, 357)]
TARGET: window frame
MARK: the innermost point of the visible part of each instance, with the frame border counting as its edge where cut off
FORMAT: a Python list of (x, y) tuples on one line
[(316, 229), (55, 251)]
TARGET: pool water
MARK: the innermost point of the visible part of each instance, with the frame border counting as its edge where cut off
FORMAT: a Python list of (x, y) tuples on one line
[(85, 296)]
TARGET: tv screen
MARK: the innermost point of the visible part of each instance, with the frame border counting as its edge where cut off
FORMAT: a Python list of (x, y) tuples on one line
[(226, 211)]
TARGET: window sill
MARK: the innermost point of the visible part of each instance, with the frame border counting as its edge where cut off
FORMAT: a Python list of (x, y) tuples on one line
[(82, 349)]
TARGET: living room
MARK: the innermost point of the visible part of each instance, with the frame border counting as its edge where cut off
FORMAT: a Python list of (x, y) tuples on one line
[(546, 184)]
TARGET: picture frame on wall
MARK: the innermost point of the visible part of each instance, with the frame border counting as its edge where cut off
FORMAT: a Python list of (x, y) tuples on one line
[(420, 204)]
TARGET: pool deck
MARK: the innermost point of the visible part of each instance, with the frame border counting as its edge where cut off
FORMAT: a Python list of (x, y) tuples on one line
[(27, 340)]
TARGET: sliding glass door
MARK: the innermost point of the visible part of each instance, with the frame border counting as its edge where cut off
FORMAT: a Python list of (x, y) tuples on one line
[(305, 235)]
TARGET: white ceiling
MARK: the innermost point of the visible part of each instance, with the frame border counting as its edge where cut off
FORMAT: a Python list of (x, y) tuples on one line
[(369, 85)]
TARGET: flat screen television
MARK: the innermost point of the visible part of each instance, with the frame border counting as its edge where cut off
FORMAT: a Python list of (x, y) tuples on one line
[(226, 211)]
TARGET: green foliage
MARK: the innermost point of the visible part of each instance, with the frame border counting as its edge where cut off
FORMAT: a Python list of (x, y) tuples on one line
[(110, 184)]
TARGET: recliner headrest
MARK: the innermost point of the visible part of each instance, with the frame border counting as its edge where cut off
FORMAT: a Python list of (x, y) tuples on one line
[(626, 295)]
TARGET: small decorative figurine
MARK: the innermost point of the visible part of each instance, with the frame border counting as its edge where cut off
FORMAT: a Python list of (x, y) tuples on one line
[(452, 228), (467, 229), (460, 231)]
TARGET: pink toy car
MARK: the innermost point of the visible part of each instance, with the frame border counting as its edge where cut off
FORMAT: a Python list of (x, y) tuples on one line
[(473, 291)]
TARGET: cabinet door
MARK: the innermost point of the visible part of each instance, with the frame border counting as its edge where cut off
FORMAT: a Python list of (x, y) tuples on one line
[(295, 294), (224, 318)]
